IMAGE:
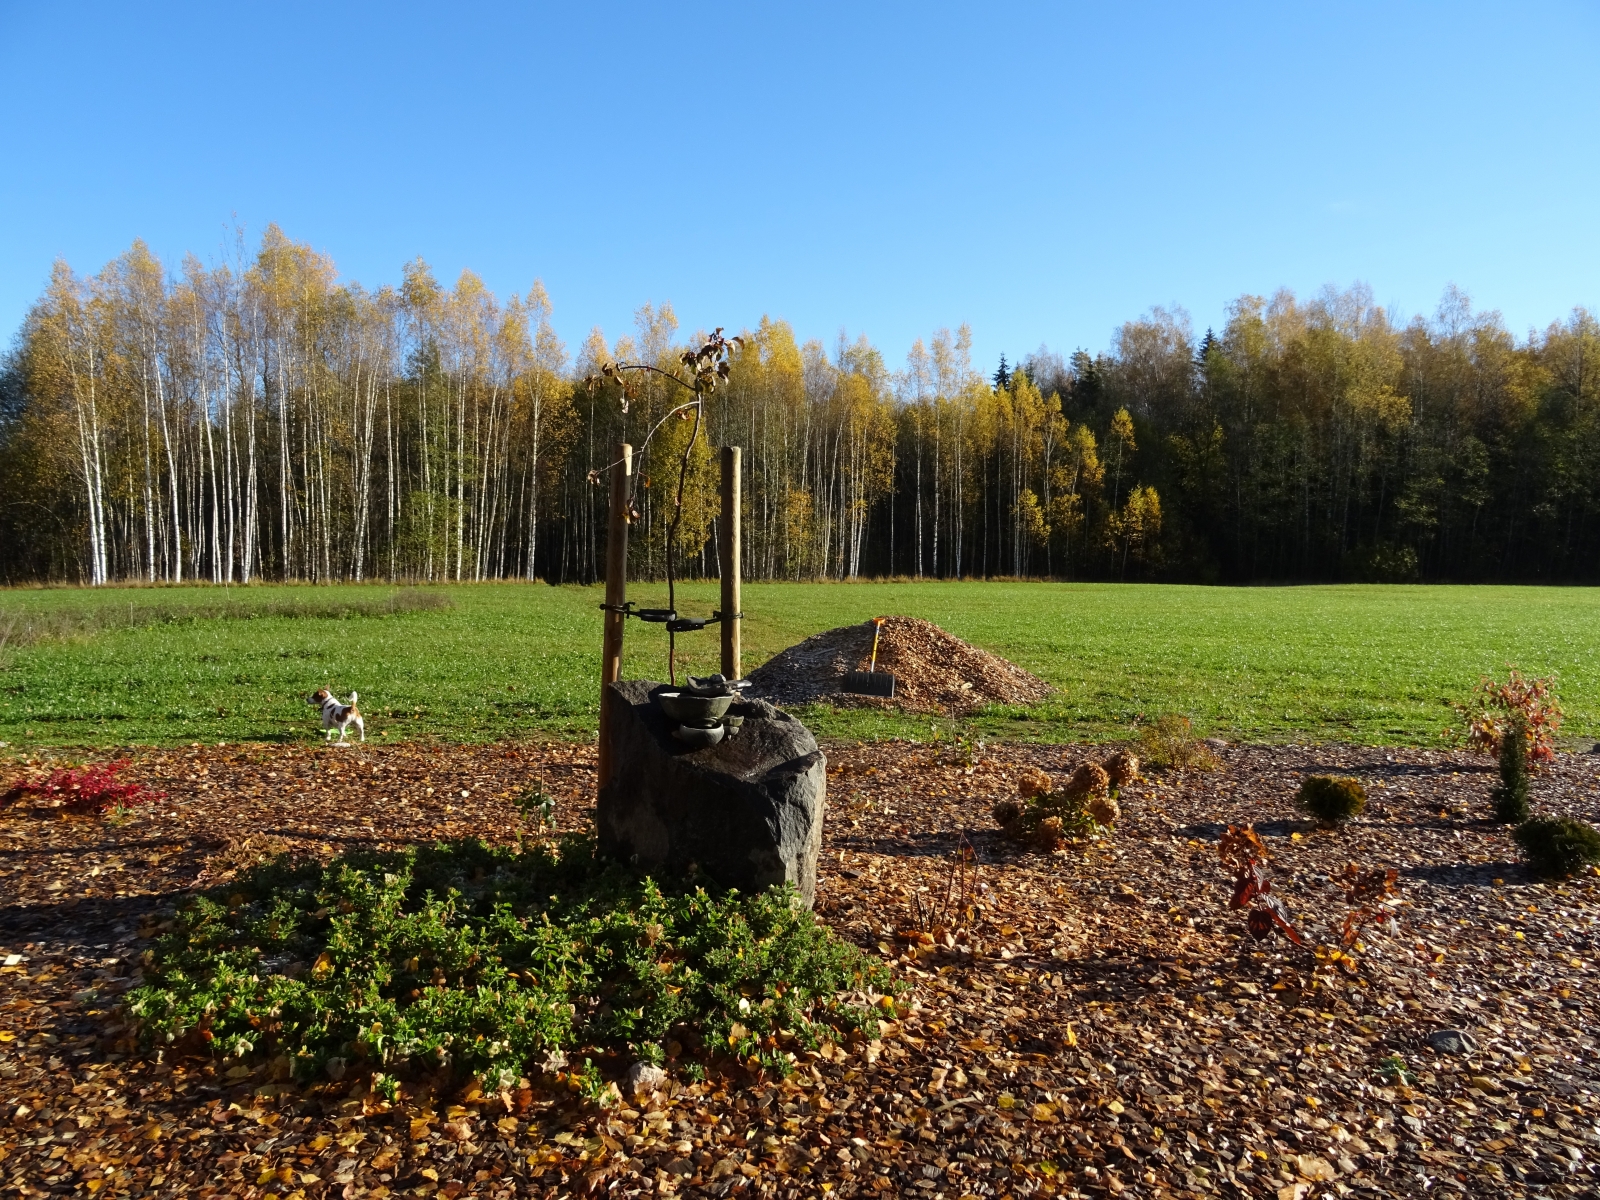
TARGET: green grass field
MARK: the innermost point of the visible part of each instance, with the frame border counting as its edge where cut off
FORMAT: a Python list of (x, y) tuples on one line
[(1368, 664)]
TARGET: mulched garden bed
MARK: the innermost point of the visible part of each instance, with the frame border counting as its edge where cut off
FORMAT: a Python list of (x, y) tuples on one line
[(1101, 1025)]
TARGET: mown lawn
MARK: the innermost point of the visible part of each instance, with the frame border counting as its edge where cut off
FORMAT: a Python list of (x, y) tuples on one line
[(1362, 664)]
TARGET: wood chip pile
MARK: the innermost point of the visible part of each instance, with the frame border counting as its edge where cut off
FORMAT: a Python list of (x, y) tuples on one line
[(934, 672)]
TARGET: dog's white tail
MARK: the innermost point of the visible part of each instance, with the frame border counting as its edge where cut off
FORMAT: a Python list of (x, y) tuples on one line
[(354, 696)]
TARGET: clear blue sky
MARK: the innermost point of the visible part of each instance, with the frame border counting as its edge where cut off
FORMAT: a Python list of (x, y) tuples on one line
[(1043, 172)]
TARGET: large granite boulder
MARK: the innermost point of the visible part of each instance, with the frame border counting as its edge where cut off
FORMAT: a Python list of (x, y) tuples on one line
[(747, 811)]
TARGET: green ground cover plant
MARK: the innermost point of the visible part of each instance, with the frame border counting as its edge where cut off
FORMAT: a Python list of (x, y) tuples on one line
[(495, 960), (1368, 664)]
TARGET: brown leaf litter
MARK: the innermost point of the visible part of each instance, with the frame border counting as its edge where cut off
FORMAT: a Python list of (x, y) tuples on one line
[(1089, 1022), (933, 670)]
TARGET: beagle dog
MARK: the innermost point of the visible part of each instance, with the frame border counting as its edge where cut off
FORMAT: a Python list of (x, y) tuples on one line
[(336, 715)]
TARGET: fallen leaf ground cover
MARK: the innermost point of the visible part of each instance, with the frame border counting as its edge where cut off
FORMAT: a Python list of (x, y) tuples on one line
[(1100, 1024), (1364, 664)]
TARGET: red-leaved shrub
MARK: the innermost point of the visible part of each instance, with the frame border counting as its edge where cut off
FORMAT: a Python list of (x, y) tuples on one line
[(1496, 706), (94, 788)]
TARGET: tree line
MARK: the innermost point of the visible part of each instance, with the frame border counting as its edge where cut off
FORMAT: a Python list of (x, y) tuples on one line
[(259, 419)]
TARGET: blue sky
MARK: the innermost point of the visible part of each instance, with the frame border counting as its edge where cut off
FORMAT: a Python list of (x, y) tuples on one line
[(1042, 172)]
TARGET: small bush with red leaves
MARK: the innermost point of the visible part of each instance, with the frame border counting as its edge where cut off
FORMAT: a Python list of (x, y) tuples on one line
[(92, 789), (1242, 850), (1498, 707)]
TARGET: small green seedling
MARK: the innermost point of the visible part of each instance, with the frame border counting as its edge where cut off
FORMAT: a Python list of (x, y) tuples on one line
[(534, 804), (1393, 1070)]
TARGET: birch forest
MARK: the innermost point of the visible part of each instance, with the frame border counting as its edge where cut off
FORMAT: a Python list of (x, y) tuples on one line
[(263, 420)]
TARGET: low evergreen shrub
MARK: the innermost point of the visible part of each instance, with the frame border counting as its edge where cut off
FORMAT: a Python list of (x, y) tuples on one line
[(1331, 799), (490, 959), (1557, 847), (1511, 796)]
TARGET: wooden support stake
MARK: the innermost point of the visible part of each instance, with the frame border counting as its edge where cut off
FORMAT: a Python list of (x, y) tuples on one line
[(616, 597), (728, 532)]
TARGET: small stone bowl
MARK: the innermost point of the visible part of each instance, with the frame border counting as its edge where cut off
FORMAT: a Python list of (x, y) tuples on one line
[(699, 736), (683, 707)]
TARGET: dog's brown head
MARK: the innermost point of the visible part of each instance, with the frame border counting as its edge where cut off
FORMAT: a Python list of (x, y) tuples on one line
[(318, 698)]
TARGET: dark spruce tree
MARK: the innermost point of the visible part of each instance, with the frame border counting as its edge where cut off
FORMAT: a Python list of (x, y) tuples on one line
[(1087, 400), (1002, 377)]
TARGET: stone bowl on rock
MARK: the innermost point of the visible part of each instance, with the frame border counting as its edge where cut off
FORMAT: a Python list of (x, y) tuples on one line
[(686, 708), (707, 733), (709, 685)]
